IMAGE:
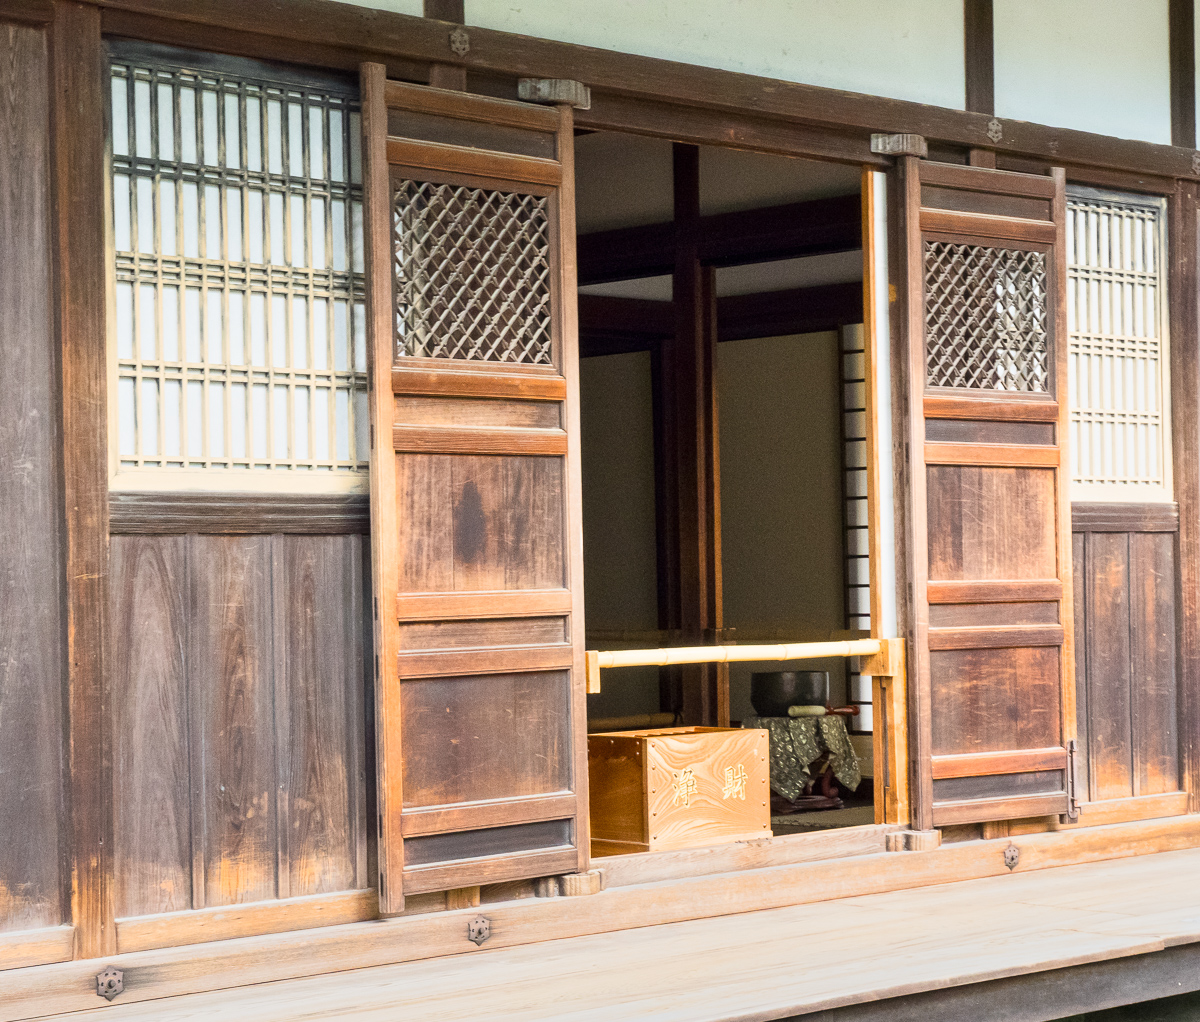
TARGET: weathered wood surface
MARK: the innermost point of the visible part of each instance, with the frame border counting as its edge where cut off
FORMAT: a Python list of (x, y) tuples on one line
[(32, 667), (1126, 663), (238, 714), (745, 966)]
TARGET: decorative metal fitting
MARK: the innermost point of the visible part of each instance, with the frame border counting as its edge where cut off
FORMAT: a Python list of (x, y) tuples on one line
[(479, 929), (110, 982), (555, 90), (460, 42), (1012, 855), (995, 130), (904, 144)]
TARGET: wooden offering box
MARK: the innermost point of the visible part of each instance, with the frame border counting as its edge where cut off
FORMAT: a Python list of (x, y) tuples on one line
[(678, 787)]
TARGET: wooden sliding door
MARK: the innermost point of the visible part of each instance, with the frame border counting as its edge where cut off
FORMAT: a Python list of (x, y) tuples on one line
[(475, 488), (990, 559)]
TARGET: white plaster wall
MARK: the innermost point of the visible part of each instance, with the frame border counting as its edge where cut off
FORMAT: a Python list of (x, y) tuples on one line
[(1095, 65), (414, 7), (781, 495), (905, 49), (620, 577)]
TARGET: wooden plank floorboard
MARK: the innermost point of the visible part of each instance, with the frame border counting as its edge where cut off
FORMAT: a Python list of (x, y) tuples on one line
[(754, 966)]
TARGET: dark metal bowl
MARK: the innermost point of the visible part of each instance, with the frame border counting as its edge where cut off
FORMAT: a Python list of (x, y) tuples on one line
[(772, 692)]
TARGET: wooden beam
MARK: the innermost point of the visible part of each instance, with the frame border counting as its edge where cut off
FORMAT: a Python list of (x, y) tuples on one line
[(446, 76), (217, 965), (1181, 20), (704, 105), (815, 227), (690, 545), (610, 326), (78, 84), (978, 51)]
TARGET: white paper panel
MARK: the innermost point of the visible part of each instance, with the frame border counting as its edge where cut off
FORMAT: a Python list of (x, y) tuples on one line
[(1116, 315), (1095, 65), (244, 368)]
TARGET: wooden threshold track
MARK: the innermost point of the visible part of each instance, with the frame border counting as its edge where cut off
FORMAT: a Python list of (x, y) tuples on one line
[(51, 989)]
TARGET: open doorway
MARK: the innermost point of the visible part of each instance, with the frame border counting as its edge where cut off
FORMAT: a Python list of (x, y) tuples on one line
[(740, 516)]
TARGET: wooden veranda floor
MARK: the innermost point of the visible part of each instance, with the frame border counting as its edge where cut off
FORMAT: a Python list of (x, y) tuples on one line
[(1034, 945)]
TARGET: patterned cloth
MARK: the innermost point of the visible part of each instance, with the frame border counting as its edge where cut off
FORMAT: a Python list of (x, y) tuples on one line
[(797, 742)]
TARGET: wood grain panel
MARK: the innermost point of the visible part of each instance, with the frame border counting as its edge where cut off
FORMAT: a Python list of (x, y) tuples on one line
[(991, 523), (1152, 653), (990, 454), (992, 615), (995, 591), (412, 410), (1011, 762), (1018, 229), (1079, 571), (470, 739), (949, 404), (318, 712), (152, 820), (474, 634), (32, 669), (480, 522), (230, 664), (478, 440), (993, 700), (411, 378), (1109, 676)]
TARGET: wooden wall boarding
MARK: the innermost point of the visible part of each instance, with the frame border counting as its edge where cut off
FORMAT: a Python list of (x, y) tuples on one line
[(992, 664), (475, 488)]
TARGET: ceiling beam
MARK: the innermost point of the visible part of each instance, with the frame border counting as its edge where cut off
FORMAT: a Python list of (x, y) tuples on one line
[(815, 227), (613, 326)]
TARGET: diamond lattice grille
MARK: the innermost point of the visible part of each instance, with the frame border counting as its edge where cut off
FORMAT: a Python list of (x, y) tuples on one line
[(985, 317), (472, 273)]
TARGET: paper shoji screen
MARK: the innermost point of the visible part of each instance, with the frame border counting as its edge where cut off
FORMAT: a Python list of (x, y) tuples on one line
[(1117, 319), (238, 345)]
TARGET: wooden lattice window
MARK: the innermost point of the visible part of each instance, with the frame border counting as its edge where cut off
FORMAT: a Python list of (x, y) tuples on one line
[(238, 338), (985, 317), (472, 269), (1116, 318)]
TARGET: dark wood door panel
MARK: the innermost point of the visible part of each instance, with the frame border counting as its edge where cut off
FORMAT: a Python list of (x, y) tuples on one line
[(992, 668), (471, 739), (238, 706), (991, 523), (34, 870), (991, 700), (481, 523), (475, 489), (1126, 661)]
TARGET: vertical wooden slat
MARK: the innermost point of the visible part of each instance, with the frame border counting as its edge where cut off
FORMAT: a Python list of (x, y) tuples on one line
[(1080, 569), (151, 766), (34, 832), (979, 55), (78, 176), (385, 546), (914, 543), (318, 666), (1059, 367), (1152, 630), (875, 464), (1183, 295), (569, 339), (1109, 716), (1181, 21), (230, 667)]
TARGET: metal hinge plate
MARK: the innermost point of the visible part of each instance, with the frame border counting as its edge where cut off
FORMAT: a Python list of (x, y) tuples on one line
[(1072, 780)]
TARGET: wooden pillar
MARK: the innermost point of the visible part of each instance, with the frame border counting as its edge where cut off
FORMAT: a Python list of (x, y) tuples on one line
[(1184, 240), (689, 467), (1182, 46), (446, 76), (78, 135)]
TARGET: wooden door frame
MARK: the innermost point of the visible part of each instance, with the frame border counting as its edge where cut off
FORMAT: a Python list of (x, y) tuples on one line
[(632, 93)]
